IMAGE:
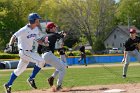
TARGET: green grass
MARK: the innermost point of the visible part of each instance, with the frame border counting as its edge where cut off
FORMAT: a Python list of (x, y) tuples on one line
[(75, 77)]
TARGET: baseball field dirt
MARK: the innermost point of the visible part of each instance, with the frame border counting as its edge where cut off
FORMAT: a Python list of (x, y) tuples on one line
[(127, 88), (115, 88)]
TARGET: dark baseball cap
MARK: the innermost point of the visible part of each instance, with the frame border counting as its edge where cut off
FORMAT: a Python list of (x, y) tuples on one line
[(131, 30)]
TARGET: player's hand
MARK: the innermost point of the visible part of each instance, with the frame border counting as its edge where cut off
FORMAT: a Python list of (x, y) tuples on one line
[(123, 60), (46, 43), (138, 46), (64, 34), (39, 42)]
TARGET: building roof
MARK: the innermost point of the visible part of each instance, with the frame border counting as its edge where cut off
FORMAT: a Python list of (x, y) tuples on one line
[(126, 30), (122, 28)]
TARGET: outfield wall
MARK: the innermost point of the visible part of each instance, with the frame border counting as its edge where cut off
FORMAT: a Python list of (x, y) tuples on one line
[(74, 60), (99, 59)]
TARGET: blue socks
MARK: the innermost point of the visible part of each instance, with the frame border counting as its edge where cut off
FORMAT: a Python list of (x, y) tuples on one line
[(35, 71), (12, 78)]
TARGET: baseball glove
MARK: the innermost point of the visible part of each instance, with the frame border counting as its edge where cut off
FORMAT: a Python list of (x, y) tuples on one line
[(8, 49), (138, 46)]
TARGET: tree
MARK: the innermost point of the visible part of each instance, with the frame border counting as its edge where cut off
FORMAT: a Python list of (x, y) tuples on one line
[(14, 14), (93, 18), (128, 12), (106, 21)]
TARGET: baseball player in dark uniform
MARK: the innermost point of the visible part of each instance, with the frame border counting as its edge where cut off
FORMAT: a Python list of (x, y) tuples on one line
[(83, 55), (131, 49), (47, 54)]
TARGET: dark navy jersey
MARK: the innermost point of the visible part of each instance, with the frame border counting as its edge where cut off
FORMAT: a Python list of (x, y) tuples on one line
[(130, 44), (82, 49), (52, 38)]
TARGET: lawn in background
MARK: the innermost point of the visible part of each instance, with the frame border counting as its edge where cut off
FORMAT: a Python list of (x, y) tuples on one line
[(75, 77)]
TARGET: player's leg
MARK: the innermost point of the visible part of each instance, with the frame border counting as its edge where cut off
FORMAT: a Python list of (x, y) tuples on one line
[(51, 79), (126, 64), (51, 59), (84, 57), (80, 59), (85, 62), (137, 55), (61, 69), (39, 64), (20, 68), (47, 57), (64, 59), (35, 58), (55, 73)]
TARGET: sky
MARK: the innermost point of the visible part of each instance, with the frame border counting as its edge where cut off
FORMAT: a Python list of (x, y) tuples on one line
[(117, 1)]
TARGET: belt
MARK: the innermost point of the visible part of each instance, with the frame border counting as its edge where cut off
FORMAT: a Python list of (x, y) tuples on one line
[(44, 51), (26, 50)]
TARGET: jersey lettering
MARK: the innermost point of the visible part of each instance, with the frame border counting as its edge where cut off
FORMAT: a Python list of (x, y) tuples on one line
[(31, 35)]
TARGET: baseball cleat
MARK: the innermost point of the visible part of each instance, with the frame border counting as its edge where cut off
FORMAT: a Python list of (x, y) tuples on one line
[(7, 88), (31, 82), (124, 76), (59, 87), (50, 81)]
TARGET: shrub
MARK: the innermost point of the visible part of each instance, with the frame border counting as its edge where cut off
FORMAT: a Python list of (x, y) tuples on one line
[(8, 56), (16, 56), (77, 53)]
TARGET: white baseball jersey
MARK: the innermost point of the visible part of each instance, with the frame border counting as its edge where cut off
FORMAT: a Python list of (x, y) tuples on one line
[(26, 37)]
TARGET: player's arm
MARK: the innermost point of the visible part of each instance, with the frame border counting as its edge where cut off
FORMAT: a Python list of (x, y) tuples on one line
[(58, 51), (66, 55), (10, 44), (12, 40), (138, 44), (43, 41), (124, 57), (60, 35), (124, 54)]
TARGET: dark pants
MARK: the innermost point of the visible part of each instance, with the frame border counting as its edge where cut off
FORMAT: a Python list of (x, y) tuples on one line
[(83, 56)]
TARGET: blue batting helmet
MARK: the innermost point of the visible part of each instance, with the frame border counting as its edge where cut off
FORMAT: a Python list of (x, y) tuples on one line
[(32, 17)]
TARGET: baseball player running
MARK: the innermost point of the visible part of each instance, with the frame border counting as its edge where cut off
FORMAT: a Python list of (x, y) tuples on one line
[(26, 36), (83, 55), (49, 57), (131, 49)]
